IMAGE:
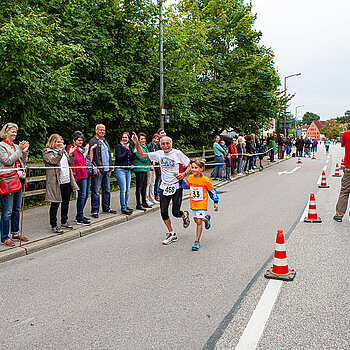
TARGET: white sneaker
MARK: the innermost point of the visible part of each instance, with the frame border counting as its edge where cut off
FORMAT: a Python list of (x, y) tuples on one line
[(149, 203), (155, 202), (170, 239)]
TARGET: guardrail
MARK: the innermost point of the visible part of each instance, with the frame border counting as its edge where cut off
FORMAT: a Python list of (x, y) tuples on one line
[(36, 180)]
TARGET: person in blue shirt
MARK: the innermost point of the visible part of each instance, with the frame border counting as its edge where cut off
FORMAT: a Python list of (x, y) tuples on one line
[(219, 158)]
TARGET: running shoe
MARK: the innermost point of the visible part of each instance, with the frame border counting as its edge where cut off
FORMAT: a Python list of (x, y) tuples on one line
[(170, 239), (186, 219), (196, 246), (207, 223)]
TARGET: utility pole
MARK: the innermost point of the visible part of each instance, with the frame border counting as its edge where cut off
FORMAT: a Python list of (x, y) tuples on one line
[(285, 96), (161, 67)]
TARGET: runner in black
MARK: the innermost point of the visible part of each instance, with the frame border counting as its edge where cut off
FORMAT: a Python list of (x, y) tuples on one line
[(171, 162)]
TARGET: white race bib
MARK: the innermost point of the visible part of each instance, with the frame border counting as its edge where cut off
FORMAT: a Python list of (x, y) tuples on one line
[(169, 190), (196, 193)]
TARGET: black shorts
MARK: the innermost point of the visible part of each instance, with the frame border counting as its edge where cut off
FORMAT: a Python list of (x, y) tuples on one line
[(176, 198)]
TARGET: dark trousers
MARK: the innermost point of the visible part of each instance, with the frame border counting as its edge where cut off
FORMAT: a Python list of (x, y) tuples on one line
[(141, 186), (66, 191), (234, 165)]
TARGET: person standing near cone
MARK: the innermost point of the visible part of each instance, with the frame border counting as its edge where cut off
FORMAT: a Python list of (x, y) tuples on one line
[(342, 203)]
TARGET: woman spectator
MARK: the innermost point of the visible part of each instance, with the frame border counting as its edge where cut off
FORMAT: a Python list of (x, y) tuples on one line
[(141, 174), (80, 174), (219, 158), (240, 168), (251, 150), (59, 180), (12, 156), (153, 147), (255, 141), (151, 175), (273, 147), (234, 157), (124, 156)]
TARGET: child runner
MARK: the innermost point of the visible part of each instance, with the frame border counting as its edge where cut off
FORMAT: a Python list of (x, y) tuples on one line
[(200, 186)]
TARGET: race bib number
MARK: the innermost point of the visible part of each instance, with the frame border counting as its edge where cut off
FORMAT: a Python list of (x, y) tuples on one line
[(196, 193), (169, 190)]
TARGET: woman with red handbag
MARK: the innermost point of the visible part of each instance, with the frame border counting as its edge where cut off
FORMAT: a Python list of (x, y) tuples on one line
[(13, 159)]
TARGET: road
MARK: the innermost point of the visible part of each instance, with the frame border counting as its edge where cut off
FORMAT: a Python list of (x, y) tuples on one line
[(121, 289)]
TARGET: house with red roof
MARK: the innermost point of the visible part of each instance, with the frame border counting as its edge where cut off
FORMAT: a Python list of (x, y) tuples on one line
[(314, 130)]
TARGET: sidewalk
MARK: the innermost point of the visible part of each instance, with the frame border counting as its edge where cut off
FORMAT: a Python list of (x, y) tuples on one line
[(36, 221)]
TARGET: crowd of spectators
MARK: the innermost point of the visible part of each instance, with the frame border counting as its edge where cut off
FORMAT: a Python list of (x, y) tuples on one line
[(85, 166)]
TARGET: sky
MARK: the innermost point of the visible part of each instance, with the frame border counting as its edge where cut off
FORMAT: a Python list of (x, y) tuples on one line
[(311, 37)]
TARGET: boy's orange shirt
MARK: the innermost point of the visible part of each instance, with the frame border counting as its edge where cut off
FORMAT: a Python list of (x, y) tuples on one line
[(199, 188)]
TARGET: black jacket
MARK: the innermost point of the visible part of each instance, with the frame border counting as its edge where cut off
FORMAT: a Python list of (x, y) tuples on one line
[(124, 156)]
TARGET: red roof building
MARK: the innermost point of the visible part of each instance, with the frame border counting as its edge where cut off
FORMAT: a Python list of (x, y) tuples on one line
[(314, 130)]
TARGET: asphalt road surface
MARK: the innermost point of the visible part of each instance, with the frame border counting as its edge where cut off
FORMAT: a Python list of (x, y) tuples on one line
[(122, 289)]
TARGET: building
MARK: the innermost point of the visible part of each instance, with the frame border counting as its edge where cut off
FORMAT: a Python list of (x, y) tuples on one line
[(314, 130)]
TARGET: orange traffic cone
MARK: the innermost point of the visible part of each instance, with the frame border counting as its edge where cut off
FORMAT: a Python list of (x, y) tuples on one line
[(280, 270), (323, 181), (313, 155), (342, 165), (312, 215), (299, 161), (336, 173)]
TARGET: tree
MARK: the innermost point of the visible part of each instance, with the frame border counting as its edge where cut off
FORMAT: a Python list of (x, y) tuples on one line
[(345, 118), (331, 129), (309, 117)]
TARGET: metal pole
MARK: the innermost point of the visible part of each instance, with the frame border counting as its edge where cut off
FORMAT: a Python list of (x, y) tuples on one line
[(285, 96), (161, 67), (295, 119)]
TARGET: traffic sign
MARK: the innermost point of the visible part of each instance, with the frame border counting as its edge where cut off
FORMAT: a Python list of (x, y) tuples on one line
[(163, 111)]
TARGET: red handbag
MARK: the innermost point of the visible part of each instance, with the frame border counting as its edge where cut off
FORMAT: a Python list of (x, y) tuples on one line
[(10, 183)]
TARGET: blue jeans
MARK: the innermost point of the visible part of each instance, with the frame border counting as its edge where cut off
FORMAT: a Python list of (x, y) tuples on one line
[(157, 184), (228, 171), (307, 151), (123, 177), (88, 185), (11, 212), (96, 184), (81, 201), (218, 168)]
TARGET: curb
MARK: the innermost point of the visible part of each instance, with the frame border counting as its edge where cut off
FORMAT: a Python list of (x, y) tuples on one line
[(51, 241)]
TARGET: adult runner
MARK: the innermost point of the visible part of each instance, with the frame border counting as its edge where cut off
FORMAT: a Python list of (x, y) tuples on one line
[(170, 161)]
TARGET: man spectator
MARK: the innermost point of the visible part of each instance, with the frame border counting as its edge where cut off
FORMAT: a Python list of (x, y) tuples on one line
[(342, 203), (102, 159), (300, 146), (307, 147), (280, 143)]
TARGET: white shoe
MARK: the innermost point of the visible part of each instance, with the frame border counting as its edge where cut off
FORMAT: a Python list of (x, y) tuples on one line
[(155, 202), (170, 239), (149, 203)]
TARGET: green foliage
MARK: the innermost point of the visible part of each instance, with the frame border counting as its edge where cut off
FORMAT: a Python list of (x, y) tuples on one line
[(70, 64), (345, 118), (331, 129), (309, 117)]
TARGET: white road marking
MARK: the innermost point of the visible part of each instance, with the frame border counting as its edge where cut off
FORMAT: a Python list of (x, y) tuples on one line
[(255, 327), (289, 172), (304, 215), (325, 167), (25, 321), (327, 160)]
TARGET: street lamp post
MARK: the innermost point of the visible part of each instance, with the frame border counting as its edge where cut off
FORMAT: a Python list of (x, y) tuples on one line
[(285, 95), (295, 119)]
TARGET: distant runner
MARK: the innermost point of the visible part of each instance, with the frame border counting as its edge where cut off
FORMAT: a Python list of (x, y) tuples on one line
[(171, 161)]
